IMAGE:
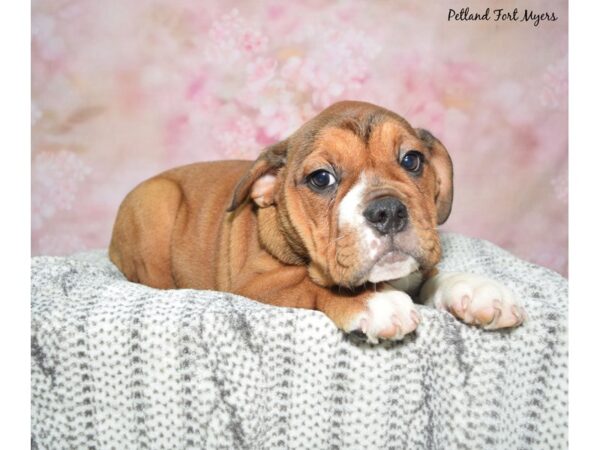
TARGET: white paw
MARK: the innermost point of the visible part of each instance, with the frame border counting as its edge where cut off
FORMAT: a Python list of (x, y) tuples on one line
[(476, 300), (389, 315)]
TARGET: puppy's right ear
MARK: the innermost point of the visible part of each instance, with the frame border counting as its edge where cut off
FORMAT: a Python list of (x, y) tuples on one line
[(260, 180), (442, 166)]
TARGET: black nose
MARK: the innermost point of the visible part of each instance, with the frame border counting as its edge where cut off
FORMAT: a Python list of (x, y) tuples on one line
[(387, 215)]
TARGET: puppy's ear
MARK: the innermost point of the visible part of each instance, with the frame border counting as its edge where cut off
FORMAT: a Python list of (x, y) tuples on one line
[(442, 166), (259, 182)]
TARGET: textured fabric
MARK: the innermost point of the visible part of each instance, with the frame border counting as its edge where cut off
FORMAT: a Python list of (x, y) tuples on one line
[(120, 365)]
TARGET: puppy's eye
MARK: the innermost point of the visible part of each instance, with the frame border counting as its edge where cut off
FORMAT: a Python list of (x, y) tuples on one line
[(321, 180), (412, 161)]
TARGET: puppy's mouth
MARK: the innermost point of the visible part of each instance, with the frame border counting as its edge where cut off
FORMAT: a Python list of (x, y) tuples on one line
[(391, 261), (393, 264)]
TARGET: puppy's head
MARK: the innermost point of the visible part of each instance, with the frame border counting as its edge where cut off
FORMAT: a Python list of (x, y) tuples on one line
[(357, 193)]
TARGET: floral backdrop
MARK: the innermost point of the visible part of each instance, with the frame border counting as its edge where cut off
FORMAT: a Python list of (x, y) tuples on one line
[(124, 89)]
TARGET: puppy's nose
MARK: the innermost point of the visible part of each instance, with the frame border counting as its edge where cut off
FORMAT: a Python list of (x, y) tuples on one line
[(387, 215)]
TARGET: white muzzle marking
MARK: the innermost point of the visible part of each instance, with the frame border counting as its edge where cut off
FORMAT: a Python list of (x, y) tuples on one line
[(385, 270), (391, 266)]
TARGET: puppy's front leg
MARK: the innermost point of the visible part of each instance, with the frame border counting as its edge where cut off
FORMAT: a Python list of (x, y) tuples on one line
[(474, 299), (384, 313)]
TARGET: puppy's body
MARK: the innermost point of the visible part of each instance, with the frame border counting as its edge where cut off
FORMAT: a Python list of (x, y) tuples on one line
[(321, 220), (173, 231), (171, 225)]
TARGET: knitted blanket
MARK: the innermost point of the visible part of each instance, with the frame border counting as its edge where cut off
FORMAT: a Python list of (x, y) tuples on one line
[(120, 365)]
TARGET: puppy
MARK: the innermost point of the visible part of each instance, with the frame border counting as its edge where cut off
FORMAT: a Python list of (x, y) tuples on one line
[(340, 217)]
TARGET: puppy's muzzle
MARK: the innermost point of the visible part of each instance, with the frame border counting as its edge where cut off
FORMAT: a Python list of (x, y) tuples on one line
[(388, 215)]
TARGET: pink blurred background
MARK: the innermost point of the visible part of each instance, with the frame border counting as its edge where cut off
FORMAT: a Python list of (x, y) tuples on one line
[(122, 90)]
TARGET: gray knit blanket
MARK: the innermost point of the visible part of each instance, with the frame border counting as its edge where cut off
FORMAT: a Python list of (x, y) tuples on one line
[(120, 365)]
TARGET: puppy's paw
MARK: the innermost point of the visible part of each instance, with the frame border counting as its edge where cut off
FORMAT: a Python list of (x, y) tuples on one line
[(389, 315), (476, 300)]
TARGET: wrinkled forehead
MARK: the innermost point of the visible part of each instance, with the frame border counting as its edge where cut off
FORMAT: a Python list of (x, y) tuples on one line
[(357, 141)]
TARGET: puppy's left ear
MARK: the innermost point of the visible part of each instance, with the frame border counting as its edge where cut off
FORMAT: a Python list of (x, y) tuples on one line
[(442, 166), (259, 182)]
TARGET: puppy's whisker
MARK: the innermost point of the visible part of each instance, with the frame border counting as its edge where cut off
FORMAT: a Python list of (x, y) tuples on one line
[(341, 237), (334, 241)]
